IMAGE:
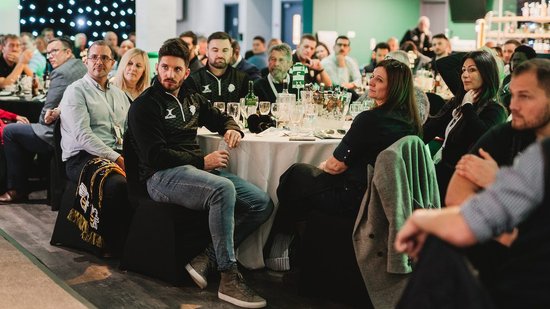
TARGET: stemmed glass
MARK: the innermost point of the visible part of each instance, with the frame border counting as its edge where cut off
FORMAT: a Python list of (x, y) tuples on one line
[(280, 112), (220, 106), (265, 107), (355, 109), (234, 110), (296, 116)]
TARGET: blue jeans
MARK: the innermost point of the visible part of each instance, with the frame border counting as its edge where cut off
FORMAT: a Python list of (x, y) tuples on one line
[(235, 207), (20, 145)]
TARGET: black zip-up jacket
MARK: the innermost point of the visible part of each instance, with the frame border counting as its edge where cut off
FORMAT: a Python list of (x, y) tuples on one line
[(229, 87), (164, 128)]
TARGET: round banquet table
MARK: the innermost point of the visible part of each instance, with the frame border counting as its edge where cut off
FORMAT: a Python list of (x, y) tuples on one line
[(261, 160)]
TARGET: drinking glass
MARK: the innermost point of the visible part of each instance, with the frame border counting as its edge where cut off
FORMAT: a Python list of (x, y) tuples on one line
[(280, 112), (310, 114), (355, 109), (220, 106), (265, 107), (296, 116), (234, 110)]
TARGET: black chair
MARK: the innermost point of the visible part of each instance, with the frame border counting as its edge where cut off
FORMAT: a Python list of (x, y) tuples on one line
[(163, 237), (116, 214), (58, 180), (65, 233), (436, 103)]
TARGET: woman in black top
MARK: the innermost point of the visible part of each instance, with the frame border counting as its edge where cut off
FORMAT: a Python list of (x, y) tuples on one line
[(472, 112), (339, 183)]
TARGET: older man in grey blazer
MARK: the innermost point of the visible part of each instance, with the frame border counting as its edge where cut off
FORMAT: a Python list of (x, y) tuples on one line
[(22, 141)]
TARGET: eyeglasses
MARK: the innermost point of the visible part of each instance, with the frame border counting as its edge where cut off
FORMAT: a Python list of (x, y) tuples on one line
[(53, 52), (103, 58), (342, 44)]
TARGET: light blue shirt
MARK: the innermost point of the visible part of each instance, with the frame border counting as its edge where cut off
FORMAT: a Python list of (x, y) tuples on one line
[(339, 75), (89, 116), (517, 191)]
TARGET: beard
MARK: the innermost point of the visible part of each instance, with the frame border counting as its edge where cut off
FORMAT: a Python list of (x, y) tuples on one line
[(278, 75), (540, 121), (170, 84), (219, 63)]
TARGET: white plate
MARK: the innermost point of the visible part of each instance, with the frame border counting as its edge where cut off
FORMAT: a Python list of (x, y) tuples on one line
[(5, 93)]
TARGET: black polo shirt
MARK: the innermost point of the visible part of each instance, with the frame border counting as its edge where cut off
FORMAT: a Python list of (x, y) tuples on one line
[(5, 69)]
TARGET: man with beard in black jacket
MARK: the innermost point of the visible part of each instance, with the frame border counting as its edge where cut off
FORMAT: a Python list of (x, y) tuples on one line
[(218, 80), (163, 124)]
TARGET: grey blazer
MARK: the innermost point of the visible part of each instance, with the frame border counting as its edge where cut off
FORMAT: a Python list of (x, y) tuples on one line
[(64, 75), (403, 180)]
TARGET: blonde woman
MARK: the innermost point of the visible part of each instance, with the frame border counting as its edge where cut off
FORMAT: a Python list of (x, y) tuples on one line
[(133, 74)]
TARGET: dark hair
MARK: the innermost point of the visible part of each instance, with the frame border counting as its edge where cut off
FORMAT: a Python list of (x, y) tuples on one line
[(529, 52), (259, 38), (236, 46), (343, 37), (382, 45), (401, 91), (512, 41), (103, 43), (307, 36), (190, 34), (67, 44), (487, 68), (9, 36), (498, 49), (542, 69), (220, 35), (440, 36), (176, 48), (409, 46), (324, 46)]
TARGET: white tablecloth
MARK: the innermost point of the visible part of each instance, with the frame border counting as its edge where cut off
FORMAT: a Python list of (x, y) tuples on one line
[(261, 160)]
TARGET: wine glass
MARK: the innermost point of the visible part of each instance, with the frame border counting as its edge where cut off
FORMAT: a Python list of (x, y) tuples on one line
[(220, 106), (355, 109), (296, 115), (280, 112), (265, 107), (234, 110)]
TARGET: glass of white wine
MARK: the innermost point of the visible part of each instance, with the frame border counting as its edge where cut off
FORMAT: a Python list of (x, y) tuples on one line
[(265, 107), (220, 106)]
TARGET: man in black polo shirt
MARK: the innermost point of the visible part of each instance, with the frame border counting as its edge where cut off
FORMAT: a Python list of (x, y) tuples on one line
[(13, 62)]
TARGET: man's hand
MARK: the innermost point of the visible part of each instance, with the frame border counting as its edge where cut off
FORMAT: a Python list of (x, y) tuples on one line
[(410, 238), (51, 115), (21, 119), (216, 159), (13, 57), (479, 170), (232, 138), (120, 162), (25, 57), (333, 166), (314, 64)]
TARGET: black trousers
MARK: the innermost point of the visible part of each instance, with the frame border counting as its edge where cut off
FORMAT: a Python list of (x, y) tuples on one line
[(327, 205), (304, 188)]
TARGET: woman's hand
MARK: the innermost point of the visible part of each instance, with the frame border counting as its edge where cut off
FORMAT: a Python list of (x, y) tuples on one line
[(21, 119), (333, 166), (471, 96)]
